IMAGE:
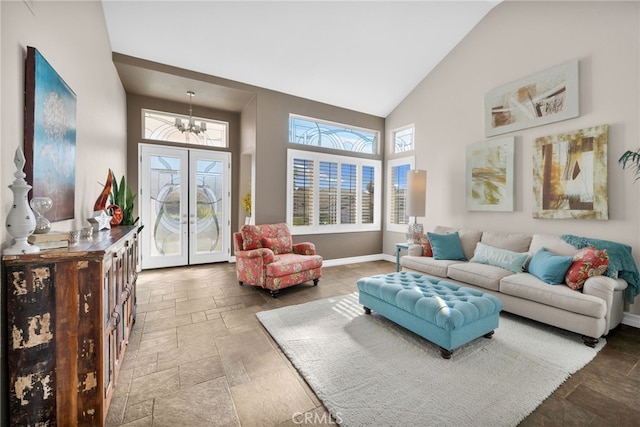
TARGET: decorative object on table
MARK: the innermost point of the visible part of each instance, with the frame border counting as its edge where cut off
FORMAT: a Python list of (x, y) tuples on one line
[(116, 214), (40, 206), (416, 198), (490, 175), (540, 99), (122, 197), (100, 221), (21, 221), (631, 159), (87, 233), (570, 175), (101, 201), (50, 135), (50, 240), (74, 236)]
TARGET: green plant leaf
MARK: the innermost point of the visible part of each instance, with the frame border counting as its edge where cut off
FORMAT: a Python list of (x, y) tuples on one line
[(631, 159)]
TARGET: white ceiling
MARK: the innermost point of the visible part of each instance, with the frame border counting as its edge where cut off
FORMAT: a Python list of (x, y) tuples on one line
[(361, 55)]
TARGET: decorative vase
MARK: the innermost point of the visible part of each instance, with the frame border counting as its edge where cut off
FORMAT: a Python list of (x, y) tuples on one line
[(21, 222), (40, 206)]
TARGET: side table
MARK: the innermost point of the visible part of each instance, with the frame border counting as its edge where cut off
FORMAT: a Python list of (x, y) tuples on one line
[(399, 247)]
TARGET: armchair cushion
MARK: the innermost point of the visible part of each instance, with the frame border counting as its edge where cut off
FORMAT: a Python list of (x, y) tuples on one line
[(276, 245)]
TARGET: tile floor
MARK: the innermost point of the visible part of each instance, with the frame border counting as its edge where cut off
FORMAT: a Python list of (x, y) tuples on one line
[(198, 356)]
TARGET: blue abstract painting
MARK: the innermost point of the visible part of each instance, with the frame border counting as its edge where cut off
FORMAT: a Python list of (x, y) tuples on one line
[(50, 136)]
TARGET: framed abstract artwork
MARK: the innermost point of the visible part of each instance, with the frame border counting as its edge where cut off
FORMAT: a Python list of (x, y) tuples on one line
[(546, 97), (50, 136), (570, 175), (489, 175)]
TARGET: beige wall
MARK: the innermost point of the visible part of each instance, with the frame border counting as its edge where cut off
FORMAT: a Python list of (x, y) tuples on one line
[(514, 40), (73, 39)]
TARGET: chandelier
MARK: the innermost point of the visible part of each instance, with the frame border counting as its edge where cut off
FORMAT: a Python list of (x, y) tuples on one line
[(191, 126)]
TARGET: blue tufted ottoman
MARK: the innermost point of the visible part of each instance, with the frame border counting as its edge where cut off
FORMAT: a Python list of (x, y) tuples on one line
[(439, 311)]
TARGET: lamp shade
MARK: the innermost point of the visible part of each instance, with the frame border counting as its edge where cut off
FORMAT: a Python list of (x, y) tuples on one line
[(416, 192)]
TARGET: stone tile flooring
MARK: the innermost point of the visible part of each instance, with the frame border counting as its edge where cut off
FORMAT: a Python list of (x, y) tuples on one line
[(198, 356)]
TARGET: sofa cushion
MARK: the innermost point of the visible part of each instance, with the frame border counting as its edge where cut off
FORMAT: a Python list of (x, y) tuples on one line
[(549, 267), (446, 246), (586, 263), (510, 241), (483, 275), (468, 238), (427, 265), (529, 287), (553, 243), (513, 261)]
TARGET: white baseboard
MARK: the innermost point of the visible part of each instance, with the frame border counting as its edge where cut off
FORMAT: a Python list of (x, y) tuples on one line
[(355, 259), (631, 319)]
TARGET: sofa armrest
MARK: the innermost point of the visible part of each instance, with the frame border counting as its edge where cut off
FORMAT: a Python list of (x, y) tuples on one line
[(266, 254), (304, 248), (612, 291)]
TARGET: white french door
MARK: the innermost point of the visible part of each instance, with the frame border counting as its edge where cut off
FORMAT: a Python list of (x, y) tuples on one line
[(184, 205)]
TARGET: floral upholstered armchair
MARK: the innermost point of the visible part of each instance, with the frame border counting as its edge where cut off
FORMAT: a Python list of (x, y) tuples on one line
[(267, 257)]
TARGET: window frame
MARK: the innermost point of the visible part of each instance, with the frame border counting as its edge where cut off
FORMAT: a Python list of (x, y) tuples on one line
[(376, 142), (398, 130), (411, 161), (184, 118), (315, 227)]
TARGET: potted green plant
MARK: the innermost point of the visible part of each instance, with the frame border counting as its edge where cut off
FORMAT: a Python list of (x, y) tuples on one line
[(631, 159), (122, 196)]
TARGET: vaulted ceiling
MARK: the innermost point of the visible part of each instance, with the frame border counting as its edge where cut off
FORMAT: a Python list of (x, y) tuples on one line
[(361, 55)]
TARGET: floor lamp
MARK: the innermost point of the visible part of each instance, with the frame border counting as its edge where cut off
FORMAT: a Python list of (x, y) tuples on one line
[(416, 201)]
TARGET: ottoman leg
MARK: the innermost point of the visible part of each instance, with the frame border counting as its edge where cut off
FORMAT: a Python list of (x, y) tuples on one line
[(489, 334), (367, 310), (446, 354)]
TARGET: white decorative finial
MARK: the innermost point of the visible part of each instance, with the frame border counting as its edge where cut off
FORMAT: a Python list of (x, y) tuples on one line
[(19, 161)]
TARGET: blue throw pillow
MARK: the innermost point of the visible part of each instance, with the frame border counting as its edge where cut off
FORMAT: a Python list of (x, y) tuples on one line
[(447, 246), (549, 267), (503, 258)]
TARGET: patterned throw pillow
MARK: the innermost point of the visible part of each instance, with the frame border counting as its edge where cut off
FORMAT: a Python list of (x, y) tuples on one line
[(587, 262), (503, 258), (423, 240)]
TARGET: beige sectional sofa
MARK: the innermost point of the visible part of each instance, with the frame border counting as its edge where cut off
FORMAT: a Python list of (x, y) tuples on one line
[(592, 312)]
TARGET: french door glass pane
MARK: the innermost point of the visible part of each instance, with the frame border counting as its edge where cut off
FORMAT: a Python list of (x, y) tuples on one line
[(209, 191), (166, 207)]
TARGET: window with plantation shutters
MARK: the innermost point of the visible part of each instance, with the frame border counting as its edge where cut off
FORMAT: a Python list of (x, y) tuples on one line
[(327, 193), (302, 195), (397, 217)]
